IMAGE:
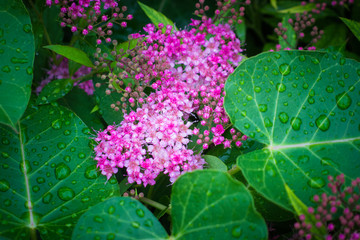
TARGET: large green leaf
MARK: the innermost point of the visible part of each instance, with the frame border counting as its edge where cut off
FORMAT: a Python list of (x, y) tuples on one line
[(205, 204), (17, 49), (119, 218), (305, 107), (47, 175), (209, 204), (54, 90)]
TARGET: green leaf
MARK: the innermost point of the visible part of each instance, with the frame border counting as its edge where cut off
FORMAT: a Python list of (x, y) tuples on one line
[(298, 8), (304, 107), (17, 50), (334, 35), (240, 30), (214, 163), (92, 119), (71, 53), (119, 218), (209, 204), (155, 16), (274, 3), (54, 90), (301, 209), (353, 26), (290, 41), (47, 176)]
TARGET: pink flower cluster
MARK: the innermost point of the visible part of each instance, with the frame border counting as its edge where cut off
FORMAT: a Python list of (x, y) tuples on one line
[(344, 202), (61, 71), (186, 71), (91, 12), (149, 141)]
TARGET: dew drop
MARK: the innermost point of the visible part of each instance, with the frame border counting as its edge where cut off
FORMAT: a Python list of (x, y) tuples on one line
[(303, 159), (302, 58), (322, 122), (66, 193), (311, 100), (110, 236), (111, 209), (5, 141), (284, 69), (269, 169), (91, 172), (140, 212), (98, 219), (262, 107), (148, 223), (36, 189), (25, 168), (343, 101), (4, 185), (16, 60), (7, 202), (47, 198), (257, 89), (280, 87), (86, 131), (29, 70), (62, 171), (328, 162), (6, 69), (315, 61), (296, 123), (236, 231), (135, 224), (27, 28), (277, 55), (67, 132), (316, 182), (267, 122), (342, 61), (56, 124), (81, 155), (61, 145), (67, 158)]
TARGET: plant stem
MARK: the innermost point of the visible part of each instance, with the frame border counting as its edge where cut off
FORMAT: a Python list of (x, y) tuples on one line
[(156, 205), (234, 170)]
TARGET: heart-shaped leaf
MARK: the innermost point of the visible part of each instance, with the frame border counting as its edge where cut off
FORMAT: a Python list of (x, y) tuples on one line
[(209, 204), (47, 176), (206, 204), (17, 50), (304, 106), (119, 218)]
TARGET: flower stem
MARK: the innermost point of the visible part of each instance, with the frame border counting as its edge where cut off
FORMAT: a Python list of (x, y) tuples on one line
[(156, 205)]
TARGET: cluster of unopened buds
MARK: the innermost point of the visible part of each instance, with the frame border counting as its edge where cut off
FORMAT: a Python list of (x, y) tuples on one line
[(302, 21), (133, 194), (337, 213), (88, 16)]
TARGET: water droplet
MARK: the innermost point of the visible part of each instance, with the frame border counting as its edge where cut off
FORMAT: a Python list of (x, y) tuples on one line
[(236, 231), (341, 83), (40, 180), (111, 209), (36, 188), (29, 70), (44, 148), (61, 145), (303, 159), (249, 98), (328, 162), (296, 123), (66, 193), (267, 122), (316, 182), (305, 86), (284, 69), (140, 212), (342, 61), (280, 87), (315, 61), (4, 185), (86, 131), (257, 89), (243, 113), (7, 202), (25, 168), (6, 69), (5, 141), (302, 58), (67, 132), (322, 122), (329, 89), (110, 236), (47, 197), (62, 171), (277, 55), (269, 169), (27, 28), (16, 60), (91, 172), (135, 224), (246, 125), (148, 223), (262, 107), (311, 100), (5, 155), (85, 199), (98, 219), (56, 124), (81, 155), (343, 101)]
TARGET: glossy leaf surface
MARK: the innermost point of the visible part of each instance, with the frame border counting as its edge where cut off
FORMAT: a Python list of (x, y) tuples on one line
[(155, 16), (71, 53), (54, 90), (47, 175), (304, 106), (17, 49), (209, 204)]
